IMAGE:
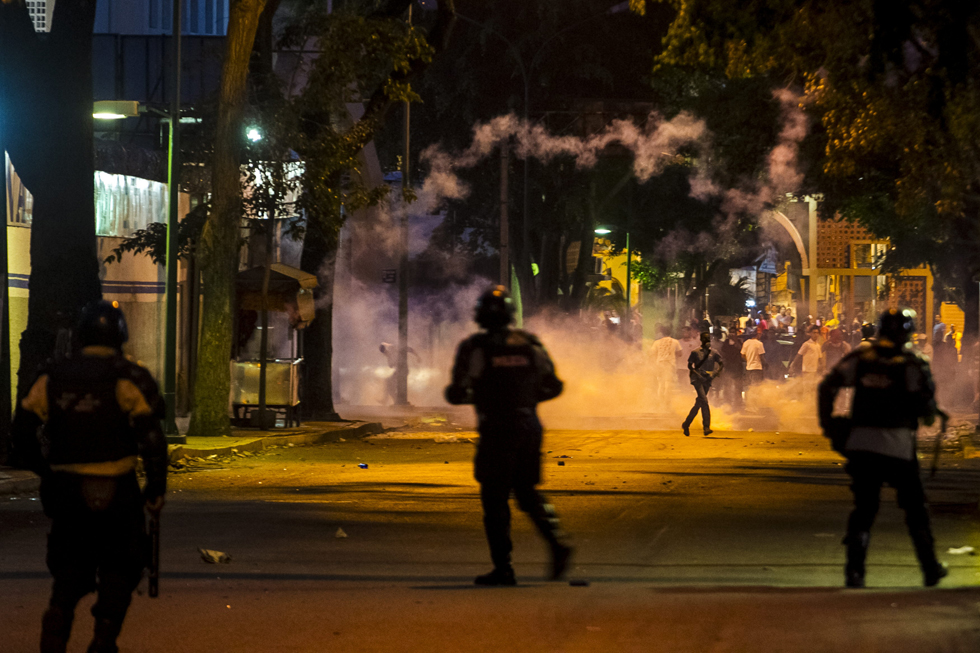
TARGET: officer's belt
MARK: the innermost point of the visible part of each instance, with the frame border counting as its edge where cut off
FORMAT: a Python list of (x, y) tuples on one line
[(109, 468)]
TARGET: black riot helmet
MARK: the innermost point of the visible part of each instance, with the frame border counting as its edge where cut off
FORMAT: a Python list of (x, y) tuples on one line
[(495, 308), (102, 323), (896, 325), (867, 331)]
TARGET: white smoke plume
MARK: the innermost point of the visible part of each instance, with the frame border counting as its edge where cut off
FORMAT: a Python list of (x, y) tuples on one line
[(654, 145)]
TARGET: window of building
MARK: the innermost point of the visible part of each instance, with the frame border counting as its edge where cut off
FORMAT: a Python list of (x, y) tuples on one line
[(38, 10)]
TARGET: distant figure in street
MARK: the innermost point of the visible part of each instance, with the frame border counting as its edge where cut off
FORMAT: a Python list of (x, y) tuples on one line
[(810, 354), (666, 353), (835, 348), (893, 390), (391, 383), (752, 353), (83, 425), (731, 383), (504, 373), (939, 329), (704, 366)]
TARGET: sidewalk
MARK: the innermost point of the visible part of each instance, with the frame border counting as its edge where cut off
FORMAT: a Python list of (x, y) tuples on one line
[(18, 481)]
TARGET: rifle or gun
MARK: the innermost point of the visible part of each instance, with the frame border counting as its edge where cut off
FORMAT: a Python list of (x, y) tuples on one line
[(943, 423), (154, 575)]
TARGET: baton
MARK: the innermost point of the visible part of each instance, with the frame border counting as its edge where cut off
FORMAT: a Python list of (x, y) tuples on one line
[(154, 575), (943, 422)]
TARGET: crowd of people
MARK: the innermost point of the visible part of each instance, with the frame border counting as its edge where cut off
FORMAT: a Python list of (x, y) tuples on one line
[(769, 345)]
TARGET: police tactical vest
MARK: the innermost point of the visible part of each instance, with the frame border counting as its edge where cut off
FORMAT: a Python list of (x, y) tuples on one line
[(85, 422), (881, 394), (509, 379)]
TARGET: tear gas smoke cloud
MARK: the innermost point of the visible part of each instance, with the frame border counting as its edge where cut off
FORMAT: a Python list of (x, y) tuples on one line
[(604, 377)]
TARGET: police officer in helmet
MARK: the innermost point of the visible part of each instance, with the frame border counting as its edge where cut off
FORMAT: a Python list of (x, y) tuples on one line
[(893, 390), (504, 373), (81, 427)]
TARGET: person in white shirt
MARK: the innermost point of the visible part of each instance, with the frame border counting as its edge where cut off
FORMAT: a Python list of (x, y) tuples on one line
[(666, 353), (811, 354), (752, 352), (688, 344)]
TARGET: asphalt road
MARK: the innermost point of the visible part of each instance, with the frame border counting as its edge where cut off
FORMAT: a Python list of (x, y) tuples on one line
[(725, 543)]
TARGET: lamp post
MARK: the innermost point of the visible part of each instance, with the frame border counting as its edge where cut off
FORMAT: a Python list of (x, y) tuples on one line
[(119, 110)]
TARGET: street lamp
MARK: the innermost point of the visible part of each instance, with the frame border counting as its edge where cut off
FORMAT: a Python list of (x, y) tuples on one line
[(604, 230)]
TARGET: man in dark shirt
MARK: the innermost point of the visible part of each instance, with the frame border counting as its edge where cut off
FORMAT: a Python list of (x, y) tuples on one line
[(704, 365)]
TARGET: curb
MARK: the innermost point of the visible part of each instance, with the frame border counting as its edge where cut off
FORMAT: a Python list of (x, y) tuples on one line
[(176, 452), (24, 485)]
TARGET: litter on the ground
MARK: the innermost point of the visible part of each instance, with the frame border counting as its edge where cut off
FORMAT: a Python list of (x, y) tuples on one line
[(340, 534), (446, 439), (214, 557), (963, 550), (561, 463), (362, 465)]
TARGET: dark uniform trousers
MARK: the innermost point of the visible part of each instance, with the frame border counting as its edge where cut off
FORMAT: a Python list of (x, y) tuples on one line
[(97, 543), (869, 472), (508, 460), (701, 403)]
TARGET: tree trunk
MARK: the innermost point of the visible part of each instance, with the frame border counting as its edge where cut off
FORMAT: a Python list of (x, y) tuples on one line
[(50, 144), (320, 258), (219, 248)]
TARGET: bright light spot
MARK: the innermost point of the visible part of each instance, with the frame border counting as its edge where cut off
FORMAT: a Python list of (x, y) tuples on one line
[(535, 269), (750, 303), (104, 115), (254, 135), (602, 231)]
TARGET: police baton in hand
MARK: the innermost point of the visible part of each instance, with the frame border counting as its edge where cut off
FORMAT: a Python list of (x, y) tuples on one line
[(943, 423)]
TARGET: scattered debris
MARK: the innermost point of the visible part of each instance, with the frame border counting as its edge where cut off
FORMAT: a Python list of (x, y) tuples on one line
[(290, 444), (212, 456), (343, 439), (963, 550), (214, 557), (340, 534), (561, 463), (445, 439), (363, 465)]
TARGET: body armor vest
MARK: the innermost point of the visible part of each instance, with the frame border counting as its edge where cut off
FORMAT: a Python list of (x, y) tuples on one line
[(881, 394), (509, 379), (85, 422)]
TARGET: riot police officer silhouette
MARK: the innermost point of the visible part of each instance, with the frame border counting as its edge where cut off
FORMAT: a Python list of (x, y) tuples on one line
[(81, 427), (893, 390), (504, 373)]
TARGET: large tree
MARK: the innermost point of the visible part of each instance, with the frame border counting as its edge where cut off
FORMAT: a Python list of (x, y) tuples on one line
[(895, 89), (46, 101), (219, 246)]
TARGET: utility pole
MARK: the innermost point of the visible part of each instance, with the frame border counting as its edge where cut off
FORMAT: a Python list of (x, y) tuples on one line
[(504, 220), (401, 369), (173, 187)]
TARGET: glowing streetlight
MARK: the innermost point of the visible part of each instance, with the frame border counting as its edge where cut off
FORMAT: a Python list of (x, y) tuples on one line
[(253, 134)]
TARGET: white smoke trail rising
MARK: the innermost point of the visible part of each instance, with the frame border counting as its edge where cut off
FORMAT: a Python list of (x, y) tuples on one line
[(653, 145)]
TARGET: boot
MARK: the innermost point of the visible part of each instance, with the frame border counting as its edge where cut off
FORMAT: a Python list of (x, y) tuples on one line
[(925, 550), (106, 632), (857, 551), (560, 555), (499, 577), (55, 630)]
